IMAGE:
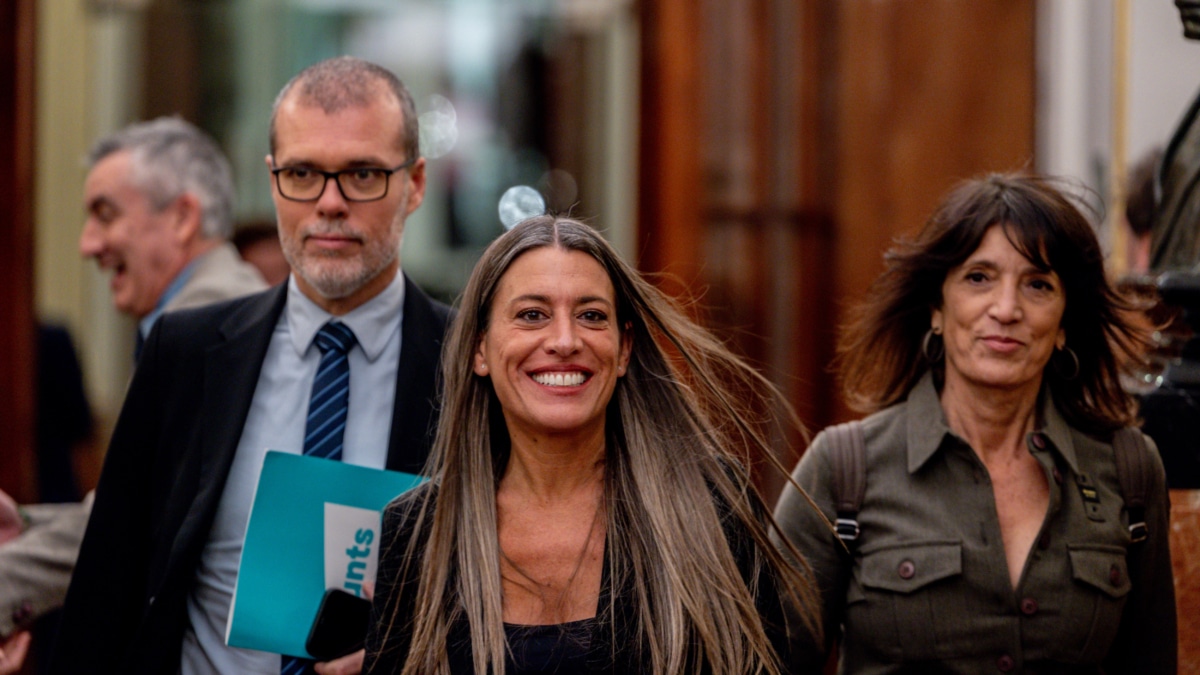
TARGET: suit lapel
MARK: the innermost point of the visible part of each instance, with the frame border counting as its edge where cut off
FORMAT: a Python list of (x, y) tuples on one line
[(416, 387), (230, 375), (231, 369)]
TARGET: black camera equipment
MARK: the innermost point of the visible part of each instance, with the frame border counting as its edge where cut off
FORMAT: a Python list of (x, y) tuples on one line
[(1170, 408)]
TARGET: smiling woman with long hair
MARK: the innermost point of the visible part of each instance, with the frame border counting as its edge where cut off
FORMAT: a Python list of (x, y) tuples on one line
[(588, 509)]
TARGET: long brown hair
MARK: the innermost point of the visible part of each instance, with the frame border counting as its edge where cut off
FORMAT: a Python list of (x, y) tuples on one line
[(881, 354), (674, 426)]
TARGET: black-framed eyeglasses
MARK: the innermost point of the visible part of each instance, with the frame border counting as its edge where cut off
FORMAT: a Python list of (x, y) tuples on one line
[(360, 184)]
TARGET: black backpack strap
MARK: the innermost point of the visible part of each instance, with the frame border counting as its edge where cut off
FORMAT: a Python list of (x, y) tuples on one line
[(1133, 472), (849, 455)]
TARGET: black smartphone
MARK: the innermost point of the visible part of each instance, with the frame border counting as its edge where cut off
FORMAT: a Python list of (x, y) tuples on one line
[(340, 627)]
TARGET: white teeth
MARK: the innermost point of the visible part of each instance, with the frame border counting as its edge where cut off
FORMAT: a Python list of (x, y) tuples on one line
[(560, 379)]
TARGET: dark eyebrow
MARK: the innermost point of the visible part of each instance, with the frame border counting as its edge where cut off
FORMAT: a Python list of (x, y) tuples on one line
[(531, 297), (980, 262), (367, 164), (98, 201), (534, 297), (1030, 268)]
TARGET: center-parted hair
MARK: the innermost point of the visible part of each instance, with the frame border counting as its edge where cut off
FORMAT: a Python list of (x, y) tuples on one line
[(169, 157), (880, 351), (677, 427)]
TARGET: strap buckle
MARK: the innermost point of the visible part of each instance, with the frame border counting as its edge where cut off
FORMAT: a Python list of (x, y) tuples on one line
[(847, 529), (1137, 524)]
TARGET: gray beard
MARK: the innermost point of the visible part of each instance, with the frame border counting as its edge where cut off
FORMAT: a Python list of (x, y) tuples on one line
[(336, 286), (334, 282)]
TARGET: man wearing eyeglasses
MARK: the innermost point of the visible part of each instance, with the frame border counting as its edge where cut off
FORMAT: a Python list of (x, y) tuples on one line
[(218, 386)]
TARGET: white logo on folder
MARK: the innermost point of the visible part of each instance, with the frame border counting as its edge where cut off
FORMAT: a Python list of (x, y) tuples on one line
[(351, 547)]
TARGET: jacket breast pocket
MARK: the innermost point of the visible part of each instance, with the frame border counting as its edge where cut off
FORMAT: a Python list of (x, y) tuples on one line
[(1097, 596), (898, 599)]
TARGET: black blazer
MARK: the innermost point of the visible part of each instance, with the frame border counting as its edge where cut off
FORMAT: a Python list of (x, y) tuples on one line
[(126, 608)]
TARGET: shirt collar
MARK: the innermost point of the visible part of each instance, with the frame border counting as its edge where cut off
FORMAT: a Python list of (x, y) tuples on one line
[(373, 322), (1055, 428), (168, 294), (928, 429)]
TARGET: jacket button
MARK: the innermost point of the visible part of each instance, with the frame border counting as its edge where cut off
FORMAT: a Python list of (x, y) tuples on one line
[(906, 570), (1114, 575), (1057, 476), (1005, 663), (1029, 606), (1039, 441)]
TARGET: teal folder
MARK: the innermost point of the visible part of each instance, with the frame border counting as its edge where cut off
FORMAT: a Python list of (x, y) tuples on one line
[(314, 525)]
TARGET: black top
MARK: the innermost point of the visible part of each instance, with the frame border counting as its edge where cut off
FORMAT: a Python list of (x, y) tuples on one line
[(538, 650), (604, 644)]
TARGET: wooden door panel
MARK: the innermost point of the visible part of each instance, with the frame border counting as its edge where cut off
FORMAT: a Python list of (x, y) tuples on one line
[(16, 249)]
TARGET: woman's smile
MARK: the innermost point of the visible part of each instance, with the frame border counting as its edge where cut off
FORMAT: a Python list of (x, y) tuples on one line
[(561, 379), (553, 347)]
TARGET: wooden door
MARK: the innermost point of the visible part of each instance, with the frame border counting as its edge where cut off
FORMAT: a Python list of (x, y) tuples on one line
[(785, 143), (16, 249)]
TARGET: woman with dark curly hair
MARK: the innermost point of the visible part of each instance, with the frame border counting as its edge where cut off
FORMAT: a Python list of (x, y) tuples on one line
[(993, 533)]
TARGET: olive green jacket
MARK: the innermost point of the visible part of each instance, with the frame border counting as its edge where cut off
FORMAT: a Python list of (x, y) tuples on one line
[(926, 587)]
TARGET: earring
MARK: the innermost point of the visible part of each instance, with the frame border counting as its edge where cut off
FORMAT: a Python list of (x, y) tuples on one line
[(938, 350), (1074, 370), (483, 367)]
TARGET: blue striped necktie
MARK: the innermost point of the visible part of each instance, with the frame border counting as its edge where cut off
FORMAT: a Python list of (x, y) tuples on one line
[(327, 408), (326, 424)]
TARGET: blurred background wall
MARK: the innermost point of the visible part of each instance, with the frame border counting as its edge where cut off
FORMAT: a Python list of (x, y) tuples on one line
[(761, 153)]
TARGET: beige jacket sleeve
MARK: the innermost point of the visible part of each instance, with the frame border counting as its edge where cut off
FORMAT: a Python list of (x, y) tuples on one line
[(36, 567)]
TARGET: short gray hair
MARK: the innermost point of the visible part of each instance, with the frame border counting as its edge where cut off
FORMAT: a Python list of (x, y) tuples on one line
[(347, 82), (169, 157)]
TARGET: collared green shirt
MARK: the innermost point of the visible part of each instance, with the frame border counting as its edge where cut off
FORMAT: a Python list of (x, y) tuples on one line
[(926, 587)]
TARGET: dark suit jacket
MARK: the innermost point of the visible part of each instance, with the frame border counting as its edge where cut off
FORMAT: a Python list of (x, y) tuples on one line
[(126, 609)]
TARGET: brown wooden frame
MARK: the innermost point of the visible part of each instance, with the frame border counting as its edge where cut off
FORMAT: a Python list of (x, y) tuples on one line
[(16, 249)]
